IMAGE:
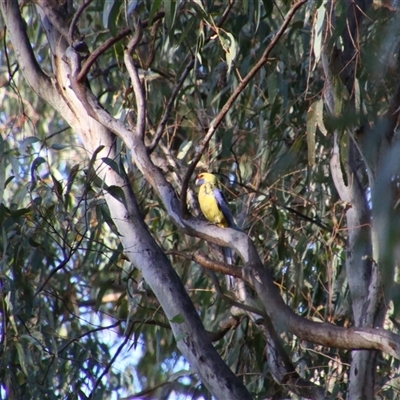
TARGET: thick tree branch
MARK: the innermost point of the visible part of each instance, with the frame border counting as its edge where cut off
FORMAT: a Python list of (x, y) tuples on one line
[(139, 246), (282, 369), (336, 171), (159, 273), (35, 77), (217, 266), (279, 363), (57, 19), (283, 317), (362, 274), (280, 313)]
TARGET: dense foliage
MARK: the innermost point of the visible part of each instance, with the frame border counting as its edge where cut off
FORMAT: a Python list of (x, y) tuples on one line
[(77, 319)]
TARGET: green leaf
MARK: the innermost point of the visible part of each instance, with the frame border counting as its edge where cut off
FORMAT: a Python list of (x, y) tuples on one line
[(170, 12), (35, 164), (230, 51), (103, 289), (269, 6), (8, 180), (59, 146), (35, 338), (357, 96), (178, 319), (104, 215), (111, 11), (318, 33), (200, 10), (341, 94), (154, 8), (272, 86), (71, 178), (20, 212), (257, 14), (180, 336), (189, 27), (3, 212), (227, 143), (311, 129), (131, 6), (111, 163), (320, 117), (91, 174), (117, 193), (185, 147), (22, 358), (57, 187)]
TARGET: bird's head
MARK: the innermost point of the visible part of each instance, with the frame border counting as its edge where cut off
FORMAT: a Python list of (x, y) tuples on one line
[(206, 177)]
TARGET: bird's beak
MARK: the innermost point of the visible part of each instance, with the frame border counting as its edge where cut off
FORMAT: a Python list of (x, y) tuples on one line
[(199, 181)]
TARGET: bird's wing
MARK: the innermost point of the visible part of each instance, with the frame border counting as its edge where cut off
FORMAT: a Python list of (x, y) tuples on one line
[(223, 206)]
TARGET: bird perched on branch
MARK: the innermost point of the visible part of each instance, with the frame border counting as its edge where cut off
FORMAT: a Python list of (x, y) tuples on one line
[(215, 208)]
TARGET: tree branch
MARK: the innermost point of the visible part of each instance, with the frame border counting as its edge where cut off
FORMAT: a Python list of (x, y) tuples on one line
[(282, 369), (36, 78), (107, 44), (75, 20), (166, 284), (188, 68), (280, 313), (139, 246), (137, 85), (57, 20), (336, 171), (170, 103)]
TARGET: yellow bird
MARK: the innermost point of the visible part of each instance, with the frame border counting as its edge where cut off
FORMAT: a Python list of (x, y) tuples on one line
[(215, 208), (212, 201)]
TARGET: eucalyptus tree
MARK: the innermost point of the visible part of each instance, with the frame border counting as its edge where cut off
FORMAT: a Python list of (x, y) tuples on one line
[(111, 279)]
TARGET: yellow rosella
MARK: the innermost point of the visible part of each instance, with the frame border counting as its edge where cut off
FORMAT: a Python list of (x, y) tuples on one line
[(212, 201), (215, 208)]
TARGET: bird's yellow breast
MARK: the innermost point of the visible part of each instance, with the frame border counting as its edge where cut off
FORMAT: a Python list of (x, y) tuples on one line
[(209, 205)]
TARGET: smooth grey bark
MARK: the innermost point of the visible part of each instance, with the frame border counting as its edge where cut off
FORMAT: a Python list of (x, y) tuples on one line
[(254, 271), (139, 246), (94, 125), (366, 152)]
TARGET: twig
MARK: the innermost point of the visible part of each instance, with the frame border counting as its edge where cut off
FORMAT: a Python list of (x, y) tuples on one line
[(189, 67), (52, 273), (216, 266), (99, 51), (137, 85), (109, 365), (75, 20), (225, 14), (107, 44), (164, 119)]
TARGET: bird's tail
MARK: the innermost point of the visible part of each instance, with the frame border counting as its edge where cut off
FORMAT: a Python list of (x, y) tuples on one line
[(228, 259)]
